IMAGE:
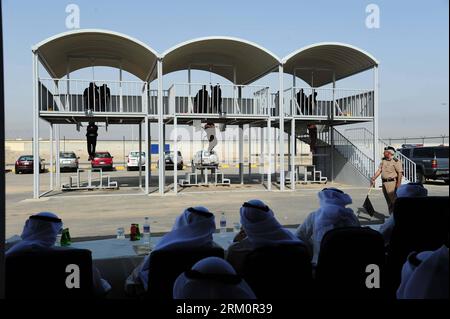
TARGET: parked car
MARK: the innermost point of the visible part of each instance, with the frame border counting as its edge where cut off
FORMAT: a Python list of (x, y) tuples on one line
[(169, 160), (206, 159), (133, 160), (25, 164), (102, 160), (431, 162), (68, 161)]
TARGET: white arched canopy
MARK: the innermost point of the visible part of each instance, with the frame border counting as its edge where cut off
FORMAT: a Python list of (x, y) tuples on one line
[(324, 59), (74, 50), (222, 56)]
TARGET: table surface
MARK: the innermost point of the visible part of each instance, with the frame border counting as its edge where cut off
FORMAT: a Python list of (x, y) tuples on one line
[(116, 248)]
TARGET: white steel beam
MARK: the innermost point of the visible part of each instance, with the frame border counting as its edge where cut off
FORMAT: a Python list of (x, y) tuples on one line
[(376, 146), (281, 105), (292, 153), (269, 148), (57, 157), (51, 156), (147, 155), (160, 129), (175, 156), (241, 153), (140, 154), (35, 127)]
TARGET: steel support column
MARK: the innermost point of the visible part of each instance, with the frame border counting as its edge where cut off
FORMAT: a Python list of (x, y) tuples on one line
[(269, 148), (175, 155), (51, 157), (161, 182), (140, 154), (261, 154), (281, 106), (249, 151), (57, 157), (36, 180), (292, 153), (376, 145), (147, 155), (333, 111), (241, 153)]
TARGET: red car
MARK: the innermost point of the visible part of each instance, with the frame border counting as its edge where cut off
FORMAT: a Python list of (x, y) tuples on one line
[(102, 160), (25, 164)]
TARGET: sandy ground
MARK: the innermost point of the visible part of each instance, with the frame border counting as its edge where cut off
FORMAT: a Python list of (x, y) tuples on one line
[(99, 213)]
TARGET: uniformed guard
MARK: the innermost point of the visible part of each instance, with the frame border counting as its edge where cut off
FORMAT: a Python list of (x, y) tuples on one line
[(391, 171)]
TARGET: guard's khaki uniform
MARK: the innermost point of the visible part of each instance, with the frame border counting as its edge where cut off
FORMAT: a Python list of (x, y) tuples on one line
[(389, 174)]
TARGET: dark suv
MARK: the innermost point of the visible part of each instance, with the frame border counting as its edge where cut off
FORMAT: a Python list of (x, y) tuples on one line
[(431, 161)]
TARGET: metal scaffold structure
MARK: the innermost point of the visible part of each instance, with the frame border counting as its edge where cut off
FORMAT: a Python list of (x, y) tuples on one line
[(309, 110)]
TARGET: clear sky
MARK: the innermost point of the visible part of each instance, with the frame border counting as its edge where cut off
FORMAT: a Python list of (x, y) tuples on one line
[(411, 44)]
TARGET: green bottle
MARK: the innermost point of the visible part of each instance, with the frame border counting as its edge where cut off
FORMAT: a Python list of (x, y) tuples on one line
[(65, 237), (138, 232)]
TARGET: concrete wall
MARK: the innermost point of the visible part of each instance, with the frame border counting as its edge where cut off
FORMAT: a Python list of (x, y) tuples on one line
[(228, 150)]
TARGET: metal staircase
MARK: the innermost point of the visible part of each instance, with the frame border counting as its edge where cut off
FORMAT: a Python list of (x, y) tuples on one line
[(363, 139), (358, 159), (356, 146)]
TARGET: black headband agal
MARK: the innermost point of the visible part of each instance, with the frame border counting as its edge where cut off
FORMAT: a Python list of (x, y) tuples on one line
[(199, 212), (230, 279), (249, 205), (46, 218), (333, 189)]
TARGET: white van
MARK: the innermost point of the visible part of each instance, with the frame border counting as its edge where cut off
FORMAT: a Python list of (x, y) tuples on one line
[(133, 160)]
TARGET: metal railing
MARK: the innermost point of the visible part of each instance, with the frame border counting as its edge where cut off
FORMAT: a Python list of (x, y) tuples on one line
[(363, 163), (73, 95), (364, 137), (358, 159), (328, 102), (195, 98)]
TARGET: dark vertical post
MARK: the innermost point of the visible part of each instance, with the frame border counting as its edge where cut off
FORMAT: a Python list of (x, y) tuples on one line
[(2, 165)]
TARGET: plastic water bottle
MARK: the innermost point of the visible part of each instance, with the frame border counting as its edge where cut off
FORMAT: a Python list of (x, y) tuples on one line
[(146, 231), (223, 223)]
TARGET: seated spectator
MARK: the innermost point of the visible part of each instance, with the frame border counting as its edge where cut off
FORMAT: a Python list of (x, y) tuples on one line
[(331, 214), (211, 278), (40, 232), (405, 190), (425, 275), (194, 228), (259, 229)]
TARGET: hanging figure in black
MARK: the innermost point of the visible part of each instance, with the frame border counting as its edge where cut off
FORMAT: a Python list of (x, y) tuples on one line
[(210, 129), (91, 136)]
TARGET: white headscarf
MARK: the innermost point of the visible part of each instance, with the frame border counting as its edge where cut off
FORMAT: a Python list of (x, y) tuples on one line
[(214, 278), (333, 213), (428, 279), (412, 190), (40, 231), (192, 229), (262, 228)]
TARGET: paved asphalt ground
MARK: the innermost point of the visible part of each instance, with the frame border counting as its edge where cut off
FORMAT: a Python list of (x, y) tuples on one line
[(99, 213)]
